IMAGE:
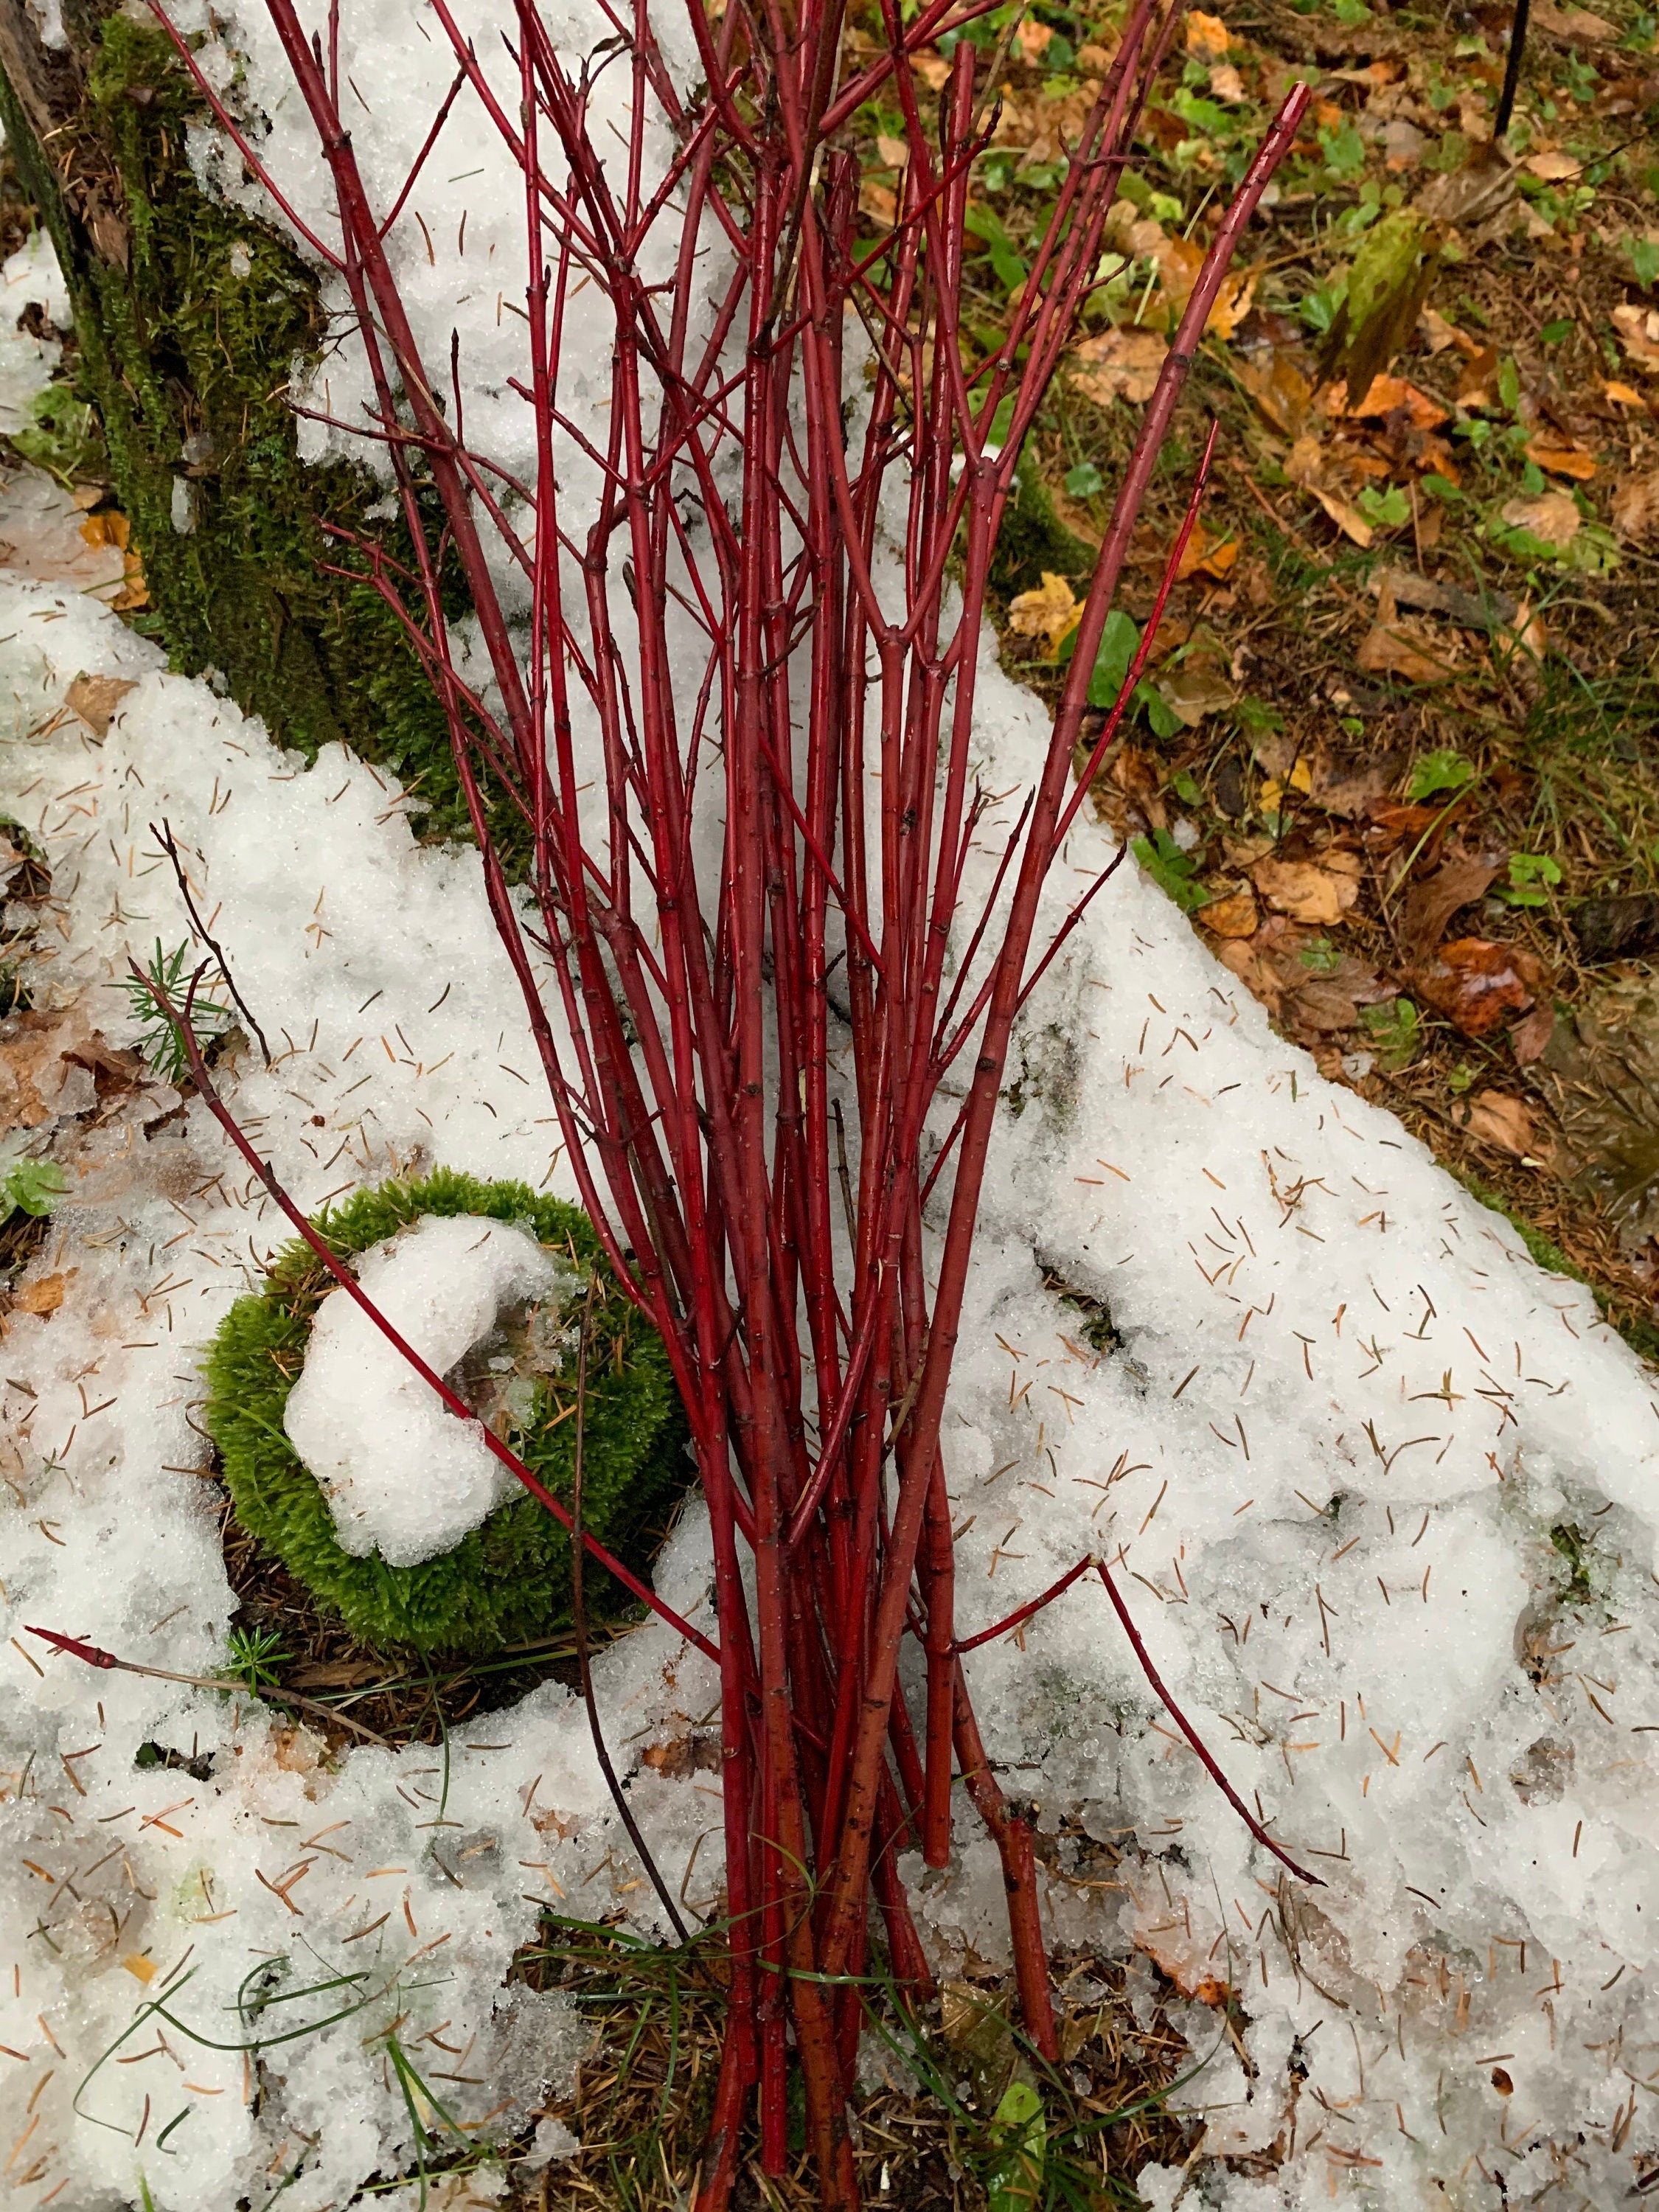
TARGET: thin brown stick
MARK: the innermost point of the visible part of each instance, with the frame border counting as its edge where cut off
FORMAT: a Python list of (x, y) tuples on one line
[(92, 1656)]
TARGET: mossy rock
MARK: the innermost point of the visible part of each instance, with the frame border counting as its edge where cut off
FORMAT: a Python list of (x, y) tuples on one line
[(190, 316), (508, 1580)]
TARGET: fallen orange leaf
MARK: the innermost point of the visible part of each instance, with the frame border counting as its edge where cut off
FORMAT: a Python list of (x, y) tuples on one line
[(1383, 397), (1235, 915), (1208, 36), (1051, 611), (1561, 461)]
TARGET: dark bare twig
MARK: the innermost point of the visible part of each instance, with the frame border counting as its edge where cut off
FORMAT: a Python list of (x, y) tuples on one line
[(1500, 122), (164, 838), (578, 1621)]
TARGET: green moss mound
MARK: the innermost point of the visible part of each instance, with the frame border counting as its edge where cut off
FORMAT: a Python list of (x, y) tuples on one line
[(508, 1580)]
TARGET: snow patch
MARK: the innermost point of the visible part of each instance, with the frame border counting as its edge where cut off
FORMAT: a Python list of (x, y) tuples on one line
[(402, 1476)]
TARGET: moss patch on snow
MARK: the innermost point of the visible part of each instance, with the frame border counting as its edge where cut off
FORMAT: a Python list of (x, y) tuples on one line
[(508, 1579), (186, 352)]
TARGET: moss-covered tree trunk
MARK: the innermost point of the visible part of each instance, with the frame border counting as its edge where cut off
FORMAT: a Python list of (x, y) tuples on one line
[(188, 320)]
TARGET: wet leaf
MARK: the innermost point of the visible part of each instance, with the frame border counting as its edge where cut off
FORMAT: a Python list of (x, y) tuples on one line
[(1571, 22), (1179, 261), (1349, 785), (1476, 200), (1554, 167), (1478, 378), (1197, 687), (1390, 649), (1479, 986), (1207, 555), (1623, 928), (1600, 1073)]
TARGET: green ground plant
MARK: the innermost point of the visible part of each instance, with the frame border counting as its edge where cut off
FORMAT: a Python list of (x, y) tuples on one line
[(508, 1579)]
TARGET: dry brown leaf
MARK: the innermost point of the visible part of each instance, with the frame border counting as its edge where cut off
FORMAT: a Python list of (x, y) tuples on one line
[(1636, 505), (331, 1674), (1477, 200), (1459, 880), (1044, 129), (1440, 334), (1554, 167), (895, 152), (1050, 612), (1621, 395), (1390, 649), (879, 202), (1561, 461), (1639, 333), (1349, 784), (1033, 38), (1530, 1038), (1306, 892), (1226, 84), (1196, 688), (1479, 986), (1305, 465), (1207, 37), (1498, 1118), (1235, 915), (43, 1296), (1477, 377), (1552, 517), (1180, 260), (1119, 364), (1279, 387), (1571, 22), (95, 698), (932, 69)]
